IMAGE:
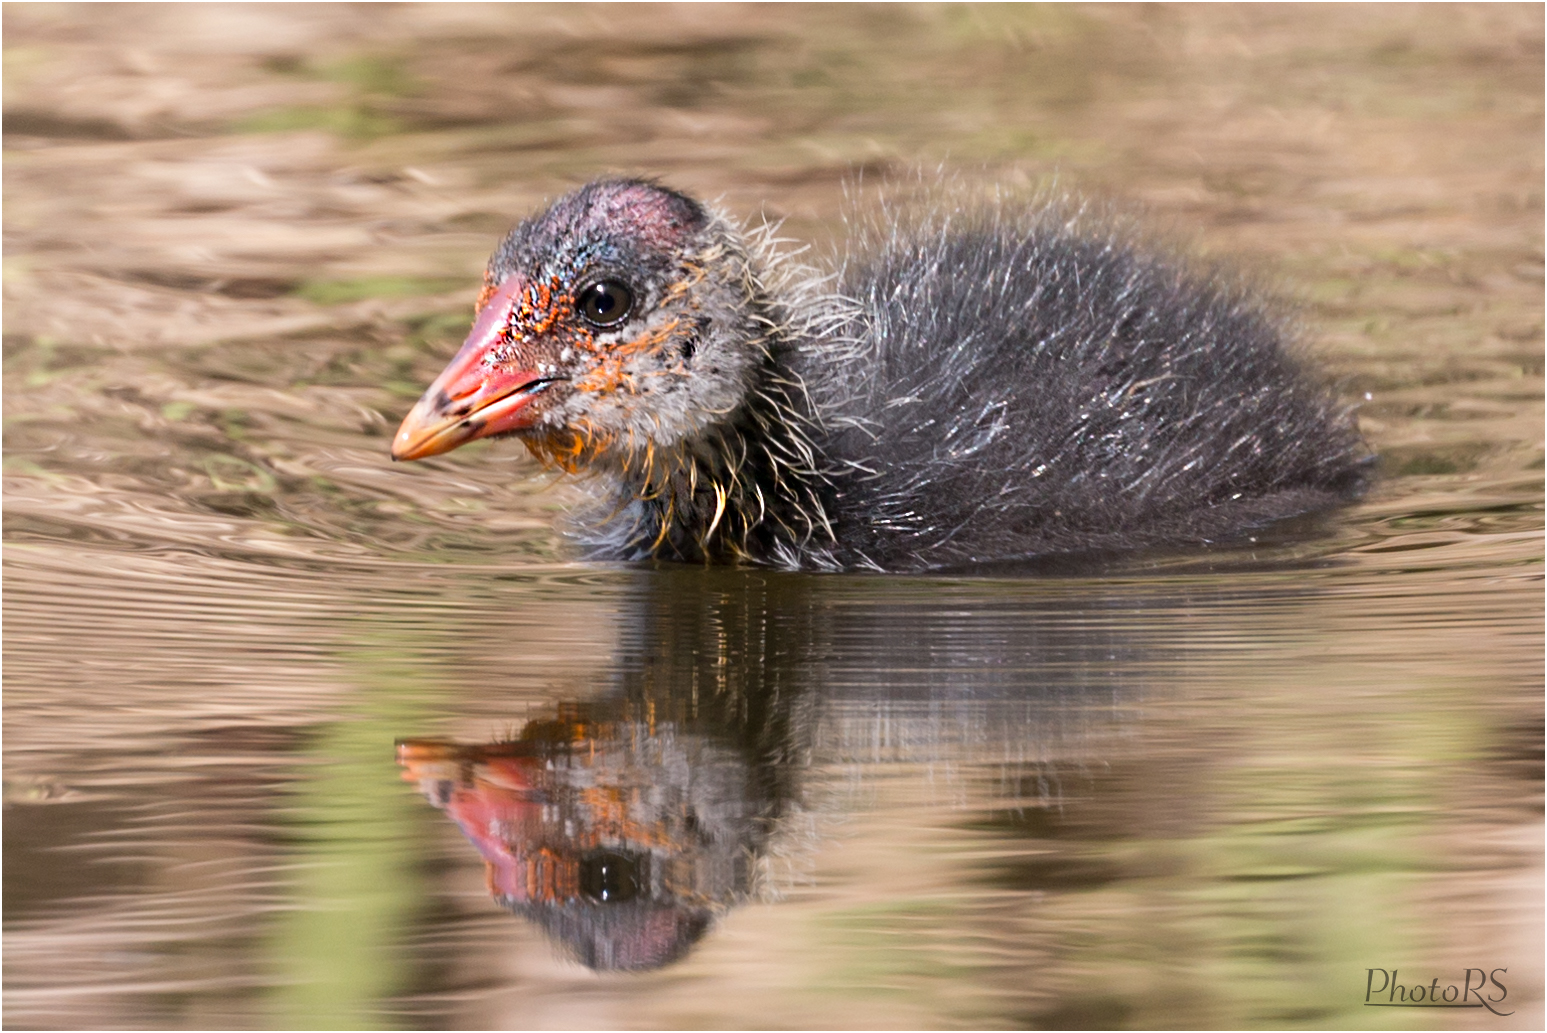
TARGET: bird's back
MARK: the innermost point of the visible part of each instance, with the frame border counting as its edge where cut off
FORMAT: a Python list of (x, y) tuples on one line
[(1020, 384)]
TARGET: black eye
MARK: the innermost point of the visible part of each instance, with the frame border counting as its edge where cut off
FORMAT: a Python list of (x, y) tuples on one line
[(609, 878), (606, 303)]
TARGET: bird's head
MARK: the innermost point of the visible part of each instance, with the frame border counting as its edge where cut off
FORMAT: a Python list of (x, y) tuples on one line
[(614, 324)]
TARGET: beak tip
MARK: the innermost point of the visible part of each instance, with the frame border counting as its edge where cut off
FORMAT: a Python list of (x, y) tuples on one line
[(413, 436), (421, 441)]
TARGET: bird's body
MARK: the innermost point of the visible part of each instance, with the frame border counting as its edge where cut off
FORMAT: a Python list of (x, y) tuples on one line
[(998, 382)]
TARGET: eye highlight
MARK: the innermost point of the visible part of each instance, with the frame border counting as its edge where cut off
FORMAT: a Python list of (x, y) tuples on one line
[(609, 877), (605, 304)]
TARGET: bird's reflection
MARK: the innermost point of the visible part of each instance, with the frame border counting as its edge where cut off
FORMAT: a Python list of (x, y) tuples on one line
[(625, 824), (621, 838)]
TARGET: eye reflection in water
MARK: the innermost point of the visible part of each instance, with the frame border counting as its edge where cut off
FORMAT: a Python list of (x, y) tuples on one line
[(608, 877)]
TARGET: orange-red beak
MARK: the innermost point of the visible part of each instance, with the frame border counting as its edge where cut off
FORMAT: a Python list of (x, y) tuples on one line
[(479, 394)]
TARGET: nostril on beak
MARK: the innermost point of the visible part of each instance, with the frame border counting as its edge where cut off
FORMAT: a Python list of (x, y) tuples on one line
[(466, 389), (459, 400)]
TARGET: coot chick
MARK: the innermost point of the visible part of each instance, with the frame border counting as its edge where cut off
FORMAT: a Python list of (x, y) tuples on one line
[(997, 382)]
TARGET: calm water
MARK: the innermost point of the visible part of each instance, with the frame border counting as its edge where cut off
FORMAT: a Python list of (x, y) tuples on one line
[(286, 725)]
